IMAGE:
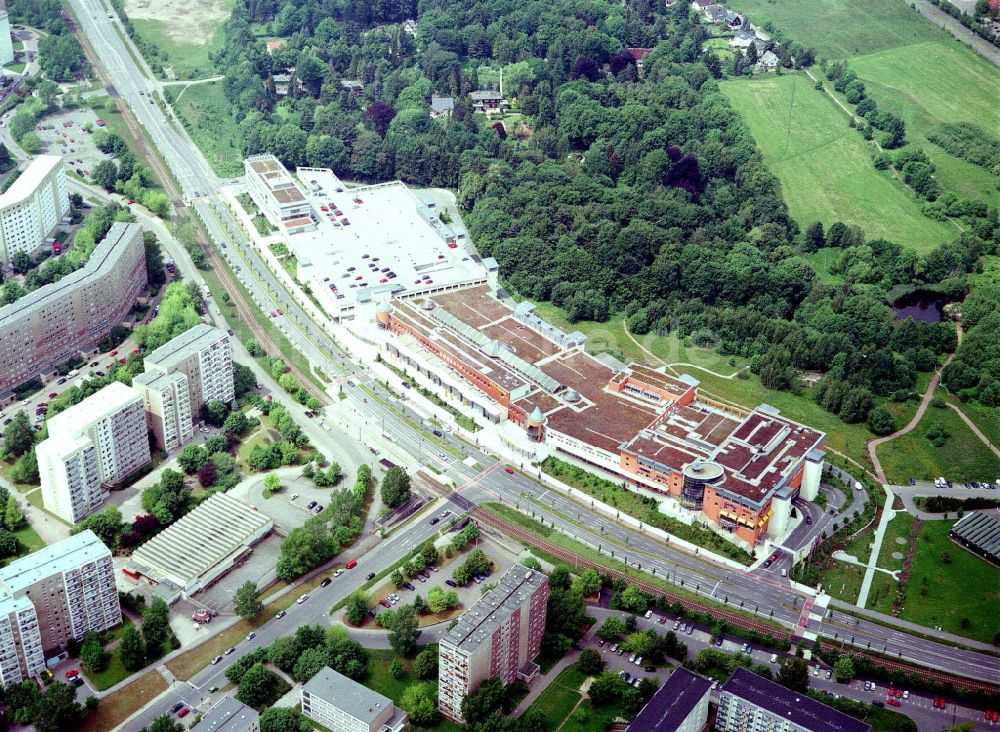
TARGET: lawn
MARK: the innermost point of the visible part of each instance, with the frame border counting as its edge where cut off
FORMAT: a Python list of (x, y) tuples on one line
[(899, 528), (930, 83), (841, 28), (843, 581), (117, 707), (987, 419), (606, 337), (561, 696), (204, 110), (962, 456), (189, 60), (805, 138), (380, 680), (966, 587), (671, 349), (823, 262), (882, 593)]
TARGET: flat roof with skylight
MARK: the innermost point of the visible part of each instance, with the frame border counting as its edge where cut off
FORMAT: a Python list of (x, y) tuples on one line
[(376, 242)]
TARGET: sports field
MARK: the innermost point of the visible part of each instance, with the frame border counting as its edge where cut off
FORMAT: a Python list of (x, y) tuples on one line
[(931, 83), (841, 28), (824, 166)]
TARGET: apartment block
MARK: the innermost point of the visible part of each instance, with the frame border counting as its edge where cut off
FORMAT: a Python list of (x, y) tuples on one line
[(343, 705), (229, 715), (751, 703), (92, 446), (6, 43), (58, 322), (168, 407), (498, 636), (277, 195), (204, 356), (49, 597), (680, 705), (35, 204)]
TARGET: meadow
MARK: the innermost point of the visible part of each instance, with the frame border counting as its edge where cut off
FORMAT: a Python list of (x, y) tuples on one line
[(841, 28), (204, 110), (806, 139)]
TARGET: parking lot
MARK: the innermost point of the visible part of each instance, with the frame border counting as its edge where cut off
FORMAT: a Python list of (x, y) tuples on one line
[(64, 133)]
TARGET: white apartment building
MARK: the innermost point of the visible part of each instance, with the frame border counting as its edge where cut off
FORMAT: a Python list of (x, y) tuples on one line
[(168, 407), (205, 356), (498, 636), (32, 207), (343, 705), (92, 446), (51, 596), (21, 655), (6, 44), (277, 195)]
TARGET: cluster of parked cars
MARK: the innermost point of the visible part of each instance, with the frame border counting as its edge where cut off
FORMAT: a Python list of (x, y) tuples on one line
[(629, 678), (73, 676)]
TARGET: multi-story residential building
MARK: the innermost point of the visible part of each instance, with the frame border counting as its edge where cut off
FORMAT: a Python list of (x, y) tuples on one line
[(343, 705), (680, 705), (51, 596), (58, 322), (205, 356), (21, 655), (277, 195), (6, 43), (751, 703), (229, 715), (498, 636), (168, 407), (92, 446), (33, 206)]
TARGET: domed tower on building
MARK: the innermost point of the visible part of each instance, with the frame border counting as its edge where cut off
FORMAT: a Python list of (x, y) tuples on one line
[(382, 314), (536, 424)]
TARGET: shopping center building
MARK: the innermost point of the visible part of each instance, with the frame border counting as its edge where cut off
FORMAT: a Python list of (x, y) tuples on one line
[(739, 469)]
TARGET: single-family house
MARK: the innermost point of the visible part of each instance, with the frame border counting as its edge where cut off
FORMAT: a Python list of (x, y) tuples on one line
[(715, 14), (354, 86), (760, 45), (734, 20), (276, 44), (281, 84), (769, 61), (488, 101), (442, 106), (700, 5), (638, 54), (410, 27), (742, 39)]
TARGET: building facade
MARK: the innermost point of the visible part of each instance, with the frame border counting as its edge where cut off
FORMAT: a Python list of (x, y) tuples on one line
[(751, 703), (277, 195), (204, 355), (92, 446), (498, 636), (229, 715), (50, 597), (168, 407), (343, 705), (680, 705), (58, 322), (34, 205), (6, 43)]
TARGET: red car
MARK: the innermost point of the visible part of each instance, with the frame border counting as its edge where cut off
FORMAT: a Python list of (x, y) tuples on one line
[(992, 716), (53, 395), (351, 564), (113, 353), (383, 603), (121, 360), (72, 672), (279, 312), (136, 351), (899, 693), (892, 702), (453, 245), (274, 314), (184, 712), (509, 470)]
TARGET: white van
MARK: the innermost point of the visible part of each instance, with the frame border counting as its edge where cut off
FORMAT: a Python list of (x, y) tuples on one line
[(648, 615)]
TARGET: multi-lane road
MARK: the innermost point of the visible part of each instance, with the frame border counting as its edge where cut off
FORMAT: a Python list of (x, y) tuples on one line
[(765, 592)]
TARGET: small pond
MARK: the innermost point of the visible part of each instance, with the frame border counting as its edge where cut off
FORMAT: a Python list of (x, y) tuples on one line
[(921, 305)]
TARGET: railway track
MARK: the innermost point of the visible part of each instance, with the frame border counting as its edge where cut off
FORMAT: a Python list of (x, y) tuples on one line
[(735, 619)]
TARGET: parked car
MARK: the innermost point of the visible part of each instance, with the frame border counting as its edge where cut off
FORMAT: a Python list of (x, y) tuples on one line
[(451, 583), (410, 586), (176, 707), (280, 615), (216, 660), (251, 635), (325, 582), (229, 650), (302, 599), (186, 710)]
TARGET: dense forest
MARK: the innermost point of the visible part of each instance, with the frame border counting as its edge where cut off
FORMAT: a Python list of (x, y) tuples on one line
[(607, 191)]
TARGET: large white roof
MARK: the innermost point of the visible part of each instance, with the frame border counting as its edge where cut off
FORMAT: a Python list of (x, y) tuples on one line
[(29, 180), (110, 399)]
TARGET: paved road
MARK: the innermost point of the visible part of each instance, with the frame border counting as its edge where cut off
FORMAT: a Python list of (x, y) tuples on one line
[(941, 19), (414, 446)]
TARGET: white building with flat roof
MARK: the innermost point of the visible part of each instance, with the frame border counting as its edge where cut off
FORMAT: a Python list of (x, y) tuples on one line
[(204, 355), (229, 715), (92, 446), (32, 207), (168, 407), (343, 705), (6, 43), (277, 195), (50, 597)]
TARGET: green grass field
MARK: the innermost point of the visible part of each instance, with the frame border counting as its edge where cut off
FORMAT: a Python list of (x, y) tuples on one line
[(967, 587), (899, 528), (931, 83), (805, 139), (205, 112), (843, 581), (188, 60), (962, 457), (841, 28), (561, 696)]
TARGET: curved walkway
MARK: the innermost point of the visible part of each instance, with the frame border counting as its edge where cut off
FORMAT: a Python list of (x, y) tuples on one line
[(975, 430), (928, 395)]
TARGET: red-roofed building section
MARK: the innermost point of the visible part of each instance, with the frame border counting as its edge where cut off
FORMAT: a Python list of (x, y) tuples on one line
[(739, 469), (638, 54)]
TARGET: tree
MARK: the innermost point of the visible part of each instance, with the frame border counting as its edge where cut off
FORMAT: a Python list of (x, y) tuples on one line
[(420, 703), (216, 444), (880, 421), (633, 599), (843, 669), (283, 719), (164, 723), (606, 689), (192, 457), (257, 687), (815, 235), (12, 516), (612, 629), (639, 643), (403, 630), (131, 649), (487, 699), (21, 261), (236, 423), (356, 608), (587, 582), (311, 661), (58, 709), (246, 603), (215, 412), (591, 662), (425, 665), (18, 438), (92, 654), (794, 674), (105, 174), (107, 525), (395, 488), (254, 348), (272, 484), (155, 627), (9, 544)]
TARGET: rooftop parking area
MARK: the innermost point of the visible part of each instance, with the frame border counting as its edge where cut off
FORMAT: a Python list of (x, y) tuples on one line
[(376, 240)]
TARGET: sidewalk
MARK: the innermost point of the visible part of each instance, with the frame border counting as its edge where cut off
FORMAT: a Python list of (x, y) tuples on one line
[(887, 515)]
